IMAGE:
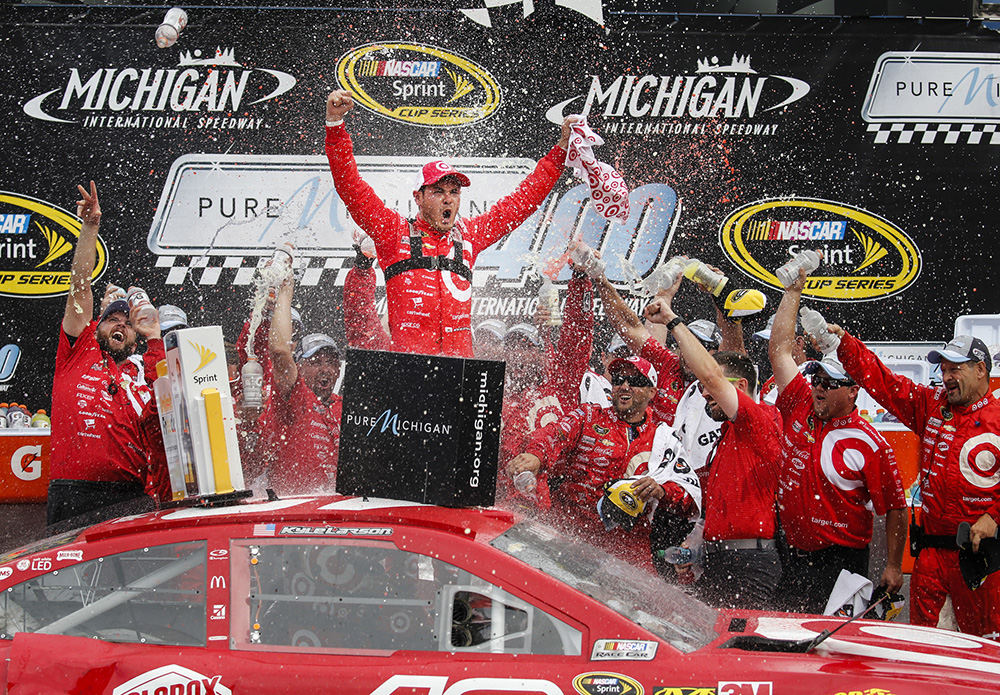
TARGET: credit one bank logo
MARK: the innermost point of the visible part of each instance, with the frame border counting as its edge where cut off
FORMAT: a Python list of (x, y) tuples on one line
[(418, 84), (865, 257), (196, 93)]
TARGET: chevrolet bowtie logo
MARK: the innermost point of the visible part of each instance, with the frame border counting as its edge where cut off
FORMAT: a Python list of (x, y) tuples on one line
[(204, 354)]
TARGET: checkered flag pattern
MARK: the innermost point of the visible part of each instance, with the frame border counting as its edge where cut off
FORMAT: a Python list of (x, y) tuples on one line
[(936, 133), (239, 270)]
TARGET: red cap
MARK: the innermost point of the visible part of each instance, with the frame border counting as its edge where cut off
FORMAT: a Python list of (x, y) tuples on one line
[(637, 363), (432, 172)]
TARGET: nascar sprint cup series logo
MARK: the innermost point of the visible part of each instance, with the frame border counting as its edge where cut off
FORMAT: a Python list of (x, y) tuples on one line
[(36, 247), (864, 256), (206, 93), (420, 85)]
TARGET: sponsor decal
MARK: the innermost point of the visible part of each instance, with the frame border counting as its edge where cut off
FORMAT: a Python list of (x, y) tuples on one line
[(744, 688), (601, 431), (217, 582), (684, 690), (438, 685), (5, 573), (205, 355), (23, 564), (197, 93), (387, 421), (218, 612), (36, 252), (865, 257), (334, 531), (716, 98), (866, 691), (419, 84), (10, 355), (602, 683), (170, 679), (979, 460), (26, 462), (218, 554), (41, 564), (635, 650), (75, 555)]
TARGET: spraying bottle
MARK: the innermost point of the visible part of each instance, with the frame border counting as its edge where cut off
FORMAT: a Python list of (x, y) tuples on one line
[(678, 555), (548, 296), (138, 301), (526, 483), (807, 260), (709, 280), (252, 375), (814, 324), (585, 258), (664, 276), (41, 419), (280, 267)]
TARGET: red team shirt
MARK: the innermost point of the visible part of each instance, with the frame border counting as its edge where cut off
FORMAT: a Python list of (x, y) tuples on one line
[(669, 380), (302, 438), (739, 494), (832, 475), (96, 434)]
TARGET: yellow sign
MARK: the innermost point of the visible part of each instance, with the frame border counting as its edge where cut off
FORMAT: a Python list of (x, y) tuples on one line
[(36, 244), (418, 84), (865, 257)]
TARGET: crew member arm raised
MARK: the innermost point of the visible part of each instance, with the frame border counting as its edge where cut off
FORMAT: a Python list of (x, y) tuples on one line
[(286, 372), (80, 300)]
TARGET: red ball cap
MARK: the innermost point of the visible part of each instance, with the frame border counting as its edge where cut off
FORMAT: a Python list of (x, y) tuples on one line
[(633, 363), (432, 172)]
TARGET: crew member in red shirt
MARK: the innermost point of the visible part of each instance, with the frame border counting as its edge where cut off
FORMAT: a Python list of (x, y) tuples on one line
[(301, 424), (835, 469), (100, 452), (591, 446), (959, 428), (741, 565), (428, 261)]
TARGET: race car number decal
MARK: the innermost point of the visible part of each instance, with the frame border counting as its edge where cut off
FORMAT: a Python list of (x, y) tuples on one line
[(438, 685)]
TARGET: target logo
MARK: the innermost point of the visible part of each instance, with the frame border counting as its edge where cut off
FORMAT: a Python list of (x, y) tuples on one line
[(979, 460), (843, 457)]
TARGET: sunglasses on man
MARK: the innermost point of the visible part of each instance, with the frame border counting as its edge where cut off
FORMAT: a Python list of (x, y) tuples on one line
[(636, 381), (828, 384)]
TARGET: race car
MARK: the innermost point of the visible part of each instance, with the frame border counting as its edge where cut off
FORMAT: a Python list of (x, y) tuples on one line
[(334, 594)]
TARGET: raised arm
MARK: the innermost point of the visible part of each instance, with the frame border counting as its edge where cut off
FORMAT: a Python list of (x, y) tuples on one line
[(698, 359), (79, 310), (286, 372), (781, 348), (621, 316)]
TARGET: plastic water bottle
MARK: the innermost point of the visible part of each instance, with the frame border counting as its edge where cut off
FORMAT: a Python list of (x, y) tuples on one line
[(252, 375), (277, 270), (526, 483), (665, 276), (170, 30), (814, 324), (548, 296), (585, 258), (138, 300), (807, 260), (41, 419), (17, 416), (677, 555), (706, 278)]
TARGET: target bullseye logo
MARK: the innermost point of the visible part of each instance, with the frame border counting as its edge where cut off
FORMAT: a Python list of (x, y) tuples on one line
[(979, 460)]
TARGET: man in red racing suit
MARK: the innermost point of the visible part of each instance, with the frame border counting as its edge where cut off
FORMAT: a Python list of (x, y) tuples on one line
[(959, 426), (428, 261)]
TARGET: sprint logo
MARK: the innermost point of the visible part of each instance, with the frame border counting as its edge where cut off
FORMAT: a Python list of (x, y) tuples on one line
[(205, 355)]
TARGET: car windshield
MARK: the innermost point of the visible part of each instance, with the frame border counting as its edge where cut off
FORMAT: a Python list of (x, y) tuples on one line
[(665, 610)]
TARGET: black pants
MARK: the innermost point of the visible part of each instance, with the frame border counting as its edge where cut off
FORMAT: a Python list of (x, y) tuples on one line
[(808, 577), (77, 503), (744, 578)]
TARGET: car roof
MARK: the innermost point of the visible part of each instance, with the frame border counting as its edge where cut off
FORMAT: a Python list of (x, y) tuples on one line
[(473, 523)]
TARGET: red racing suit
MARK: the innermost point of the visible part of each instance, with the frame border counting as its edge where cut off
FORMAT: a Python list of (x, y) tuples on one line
[(362, 326), (669, 379), (960, 481), (429, 307)]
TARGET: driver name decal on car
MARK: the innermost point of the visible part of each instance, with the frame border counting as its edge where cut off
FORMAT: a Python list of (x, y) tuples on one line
[(334, 531), (744, 688), (166, 678)]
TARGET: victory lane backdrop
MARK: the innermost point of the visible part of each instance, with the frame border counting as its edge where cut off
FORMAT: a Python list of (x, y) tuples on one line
[(741, 142)]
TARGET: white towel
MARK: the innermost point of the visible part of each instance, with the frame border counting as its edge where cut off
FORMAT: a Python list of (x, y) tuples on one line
[(608, 191)]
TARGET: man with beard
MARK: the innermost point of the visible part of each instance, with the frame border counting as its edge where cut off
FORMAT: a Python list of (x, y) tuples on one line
[(300, 426), (958, 424), (100, 462), (835, 469), (741, 565), (591, 446), (428, 261)]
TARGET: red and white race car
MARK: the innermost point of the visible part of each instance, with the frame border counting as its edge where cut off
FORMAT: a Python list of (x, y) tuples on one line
[(378, 597)]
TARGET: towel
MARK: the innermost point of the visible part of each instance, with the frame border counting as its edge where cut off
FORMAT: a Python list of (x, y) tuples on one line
[(608, 191)]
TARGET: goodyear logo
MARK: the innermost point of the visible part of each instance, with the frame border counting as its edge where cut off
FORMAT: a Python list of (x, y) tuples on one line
[(606, 684), (418, 84), (865, 257), (36, 244)]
